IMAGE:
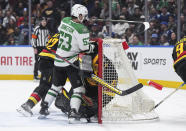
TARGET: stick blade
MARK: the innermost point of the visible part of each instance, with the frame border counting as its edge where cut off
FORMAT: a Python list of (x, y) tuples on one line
[(132, 89), (147, 25)]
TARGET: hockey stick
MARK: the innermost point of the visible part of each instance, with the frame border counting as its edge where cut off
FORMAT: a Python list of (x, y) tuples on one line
[(102, 82), (168, 96), (146, 24)]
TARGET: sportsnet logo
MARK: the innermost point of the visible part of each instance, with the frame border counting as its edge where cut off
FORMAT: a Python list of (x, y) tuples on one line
[(132, 56)]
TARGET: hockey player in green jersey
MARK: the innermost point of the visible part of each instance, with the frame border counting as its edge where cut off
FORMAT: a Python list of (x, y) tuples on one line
[(74, 38)]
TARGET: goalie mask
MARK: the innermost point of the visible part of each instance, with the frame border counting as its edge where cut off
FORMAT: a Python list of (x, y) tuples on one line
[(77, 10)]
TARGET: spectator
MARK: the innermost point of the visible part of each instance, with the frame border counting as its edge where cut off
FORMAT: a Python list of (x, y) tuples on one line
[(11, 28), (136, 41), (37, 18), (53, 17), (6, 19), (154, 14), (154, 40), (161, 4), (137, 14), (10, 41), (19, 9), (172, 23), (94, 31), (171, 6), (131, 6), (125, 12), (152, 29), (120, 28), (105, 31), (64, 5), (105, 11), (2, 34), (115, 9), (17, 36), (164, 29), (164, 16), (24, 30), (24, 17), (129, 35), (1, 17), (96, 10), (36, 10), (164, 40), (173, 39)]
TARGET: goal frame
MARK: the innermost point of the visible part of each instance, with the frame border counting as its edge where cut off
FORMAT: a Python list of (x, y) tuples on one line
[(100, 114)]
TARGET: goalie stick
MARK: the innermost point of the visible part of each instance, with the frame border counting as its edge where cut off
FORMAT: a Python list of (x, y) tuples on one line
[(168, 96), (101, 81)]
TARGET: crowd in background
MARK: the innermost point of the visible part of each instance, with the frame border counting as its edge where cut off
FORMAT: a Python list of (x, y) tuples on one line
[(162, 16)]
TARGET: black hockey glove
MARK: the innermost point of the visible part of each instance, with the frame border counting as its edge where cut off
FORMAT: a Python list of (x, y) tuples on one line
[(93, 48)]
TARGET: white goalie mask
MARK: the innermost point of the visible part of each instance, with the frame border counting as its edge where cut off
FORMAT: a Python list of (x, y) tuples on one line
[(77, 10)]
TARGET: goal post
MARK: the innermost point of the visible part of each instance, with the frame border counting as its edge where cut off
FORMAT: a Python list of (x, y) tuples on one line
[(115, 68)]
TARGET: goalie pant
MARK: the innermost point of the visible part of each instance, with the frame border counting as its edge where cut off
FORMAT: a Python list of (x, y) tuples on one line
[(46, 67)]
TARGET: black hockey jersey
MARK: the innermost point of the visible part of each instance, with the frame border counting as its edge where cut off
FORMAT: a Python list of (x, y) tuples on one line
[(179, 51), (51, 45)]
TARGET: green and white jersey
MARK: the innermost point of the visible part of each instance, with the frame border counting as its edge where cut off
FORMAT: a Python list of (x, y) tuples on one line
[(74, 38)]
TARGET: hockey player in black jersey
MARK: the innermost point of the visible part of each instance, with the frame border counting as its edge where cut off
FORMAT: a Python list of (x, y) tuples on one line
[(46, 63), (179, 57)]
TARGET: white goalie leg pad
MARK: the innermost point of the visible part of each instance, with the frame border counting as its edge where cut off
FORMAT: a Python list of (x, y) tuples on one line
[(52, 93), (76, 98)]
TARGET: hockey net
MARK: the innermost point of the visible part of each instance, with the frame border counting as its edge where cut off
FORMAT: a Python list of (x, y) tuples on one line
[(115, 69)]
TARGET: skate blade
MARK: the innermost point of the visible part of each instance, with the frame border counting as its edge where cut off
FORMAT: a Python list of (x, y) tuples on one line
[(42, 117), (23, 112), (75, 121)]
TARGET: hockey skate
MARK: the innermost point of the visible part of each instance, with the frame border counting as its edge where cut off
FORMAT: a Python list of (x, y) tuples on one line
[(44, 110), (93, 119), (75, 118), (36, 79), (25, 110)]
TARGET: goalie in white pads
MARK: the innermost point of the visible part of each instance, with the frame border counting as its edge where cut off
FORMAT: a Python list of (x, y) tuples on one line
[(74, 38)]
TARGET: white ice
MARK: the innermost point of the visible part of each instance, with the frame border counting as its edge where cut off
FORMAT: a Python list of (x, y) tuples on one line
[(172, 112)]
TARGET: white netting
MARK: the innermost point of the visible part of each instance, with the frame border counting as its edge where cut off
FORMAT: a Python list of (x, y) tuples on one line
[(118, 72)]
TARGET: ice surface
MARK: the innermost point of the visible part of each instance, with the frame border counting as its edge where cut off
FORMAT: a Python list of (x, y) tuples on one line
[(172, 112)]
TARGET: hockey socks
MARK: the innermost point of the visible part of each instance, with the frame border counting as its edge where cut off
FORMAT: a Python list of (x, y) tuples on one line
[(52, 94), (33, 99)]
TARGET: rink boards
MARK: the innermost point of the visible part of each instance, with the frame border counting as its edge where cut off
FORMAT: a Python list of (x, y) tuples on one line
[(149, 63)]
